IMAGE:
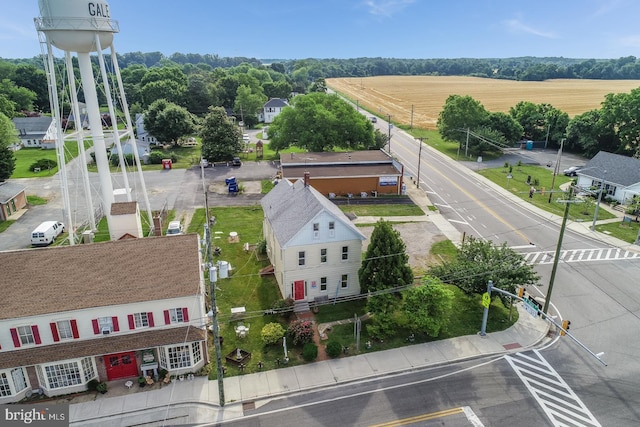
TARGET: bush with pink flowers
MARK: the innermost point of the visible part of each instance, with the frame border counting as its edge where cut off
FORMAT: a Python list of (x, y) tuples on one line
[(300, 332)]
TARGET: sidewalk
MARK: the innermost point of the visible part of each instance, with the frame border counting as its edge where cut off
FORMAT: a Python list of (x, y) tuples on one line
[(197, 401)]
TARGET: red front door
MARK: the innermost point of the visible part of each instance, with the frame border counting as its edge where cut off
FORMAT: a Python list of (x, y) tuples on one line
[(298, 290), (121, 365)]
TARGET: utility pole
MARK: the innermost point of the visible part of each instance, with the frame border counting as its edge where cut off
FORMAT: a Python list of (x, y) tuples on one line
[(419, 159), (411, 126), (556, 169), (389, 132), (466, 149), (212, 293), (595, 215), (556, 257)]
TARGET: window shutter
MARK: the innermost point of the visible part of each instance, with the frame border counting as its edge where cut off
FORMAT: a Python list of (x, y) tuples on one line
[(114, 322), (54, 331), (150, 317), (132, 323), (185, 314), (96, 326), (36, 334), (15, 337), (74, 329), (167, 319)]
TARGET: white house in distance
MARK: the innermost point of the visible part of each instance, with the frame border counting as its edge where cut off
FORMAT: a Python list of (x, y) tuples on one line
[(141, 132), (105, 311), (35, 132), (314, 248), (621, 176), (272, 108)]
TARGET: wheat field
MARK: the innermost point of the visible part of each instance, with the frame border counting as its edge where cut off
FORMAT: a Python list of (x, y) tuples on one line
[(395, 95)]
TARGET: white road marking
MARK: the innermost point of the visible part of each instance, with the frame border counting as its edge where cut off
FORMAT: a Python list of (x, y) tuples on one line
[(580, 255)]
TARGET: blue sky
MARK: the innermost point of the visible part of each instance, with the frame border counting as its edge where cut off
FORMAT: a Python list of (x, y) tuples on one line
[(288, 29)]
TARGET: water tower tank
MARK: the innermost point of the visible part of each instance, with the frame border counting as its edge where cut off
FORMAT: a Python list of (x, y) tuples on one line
[(71, 25)]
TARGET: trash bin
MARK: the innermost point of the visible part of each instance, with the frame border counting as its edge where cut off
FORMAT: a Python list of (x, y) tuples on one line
[(167, 164)]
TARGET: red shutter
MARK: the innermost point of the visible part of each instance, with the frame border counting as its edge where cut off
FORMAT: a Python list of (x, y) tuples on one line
[(54, 331), (114, 321), (185, 314), (96, 326), (132, 323), (16, 338), (74, 328), (167, 318), (36, 334), (150, 317)]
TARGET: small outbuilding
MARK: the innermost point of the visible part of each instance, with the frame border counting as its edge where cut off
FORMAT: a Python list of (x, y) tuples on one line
[(12, 199)]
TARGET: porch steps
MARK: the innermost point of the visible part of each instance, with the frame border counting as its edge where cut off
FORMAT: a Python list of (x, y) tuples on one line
[(301, 307)]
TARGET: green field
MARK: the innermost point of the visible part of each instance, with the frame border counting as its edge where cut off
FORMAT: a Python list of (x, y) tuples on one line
[(25, 157)]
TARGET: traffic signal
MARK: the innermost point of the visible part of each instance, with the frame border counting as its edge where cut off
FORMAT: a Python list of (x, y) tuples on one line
[(520, 292), (565, 326)]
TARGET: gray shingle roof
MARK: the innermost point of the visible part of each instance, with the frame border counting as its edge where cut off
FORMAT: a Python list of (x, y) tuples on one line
[(32, 125), (276, 103), (621, 170), (8, 190), (65, 278), (289, 207)]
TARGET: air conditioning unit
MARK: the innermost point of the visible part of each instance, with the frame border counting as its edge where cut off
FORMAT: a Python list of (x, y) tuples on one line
[(106, 330)]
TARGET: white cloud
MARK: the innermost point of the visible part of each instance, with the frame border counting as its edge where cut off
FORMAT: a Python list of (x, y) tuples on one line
[(517, 26), (387, 8), (630, 41)]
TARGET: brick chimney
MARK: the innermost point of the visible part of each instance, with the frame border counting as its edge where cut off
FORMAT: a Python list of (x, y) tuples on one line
[(306, 179)]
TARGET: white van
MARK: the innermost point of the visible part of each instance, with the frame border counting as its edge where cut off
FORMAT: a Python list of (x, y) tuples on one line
[(46, 233)]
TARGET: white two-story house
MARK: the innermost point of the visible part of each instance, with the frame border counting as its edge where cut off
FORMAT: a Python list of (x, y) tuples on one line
[(314, 248), (105, 311), (272, 108), (35, 132)]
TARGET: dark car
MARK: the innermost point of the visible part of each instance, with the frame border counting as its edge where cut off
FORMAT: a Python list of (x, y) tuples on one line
[(572, 171), (236, 162)]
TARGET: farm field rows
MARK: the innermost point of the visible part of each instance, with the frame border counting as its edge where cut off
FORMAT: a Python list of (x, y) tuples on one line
[(396, 94)]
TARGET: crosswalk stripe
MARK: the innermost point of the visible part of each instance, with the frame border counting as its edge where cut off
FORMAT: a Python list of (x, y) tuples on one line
[(580, 255)]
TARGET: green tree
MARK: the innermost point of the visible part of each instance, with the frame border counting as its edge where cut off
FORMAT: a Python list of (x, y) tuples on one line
[(319, 85), (531, 119), (510, 129), (201, 94), (167, 82), (221, 138), (588, 134), (320, 122), (7, 138), (168, 122), (385, 266), (458, 114), (619, 114), (428, 307), (272, 332), (479, 261), (22, 97), (248, 103), (34, 79), (280, 89)]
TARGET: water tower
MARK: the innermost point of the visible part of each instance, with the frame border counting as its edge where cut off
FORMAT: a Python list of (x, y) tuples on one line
[(85, 27)]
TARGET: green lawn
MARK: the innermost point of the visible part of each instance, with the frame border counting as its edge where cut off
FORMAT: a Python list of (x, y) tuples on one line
[(25, 157), (626, 231), (5, 224), (383, 210), (36, 200)]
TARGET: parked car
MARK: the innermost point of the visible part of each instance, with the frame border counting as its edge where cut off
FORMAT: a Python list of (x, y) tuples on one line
[(236, 161), (373, 119), (46, 233), (175, 228), (572, 171)]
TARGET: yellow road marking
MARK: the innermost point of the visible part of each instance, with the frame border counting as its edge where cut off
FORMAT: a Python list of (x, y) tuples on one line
[(418, 418)]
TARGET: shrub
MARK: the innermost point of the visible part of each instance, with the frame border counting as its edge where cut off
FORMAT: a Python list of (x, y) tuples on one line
[(92, 385), (272, 333), (309, 351), (43, 165), (156, 157), (334, 348), (115, 159), (262, 247), (300, 332), (284, 307)]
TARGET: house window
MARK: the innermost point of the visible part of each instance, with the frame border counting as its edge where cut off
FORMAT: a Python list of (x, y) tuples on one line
[(323, 255), (141, 320), (332, 229), (87, 369), (5, 390), (323, 283), (106, 323), (64, 329), (316, 230), (176, 315), (26, 335), (63, 375), (344, 281), (184, 356), (301, 258), (345, 253)]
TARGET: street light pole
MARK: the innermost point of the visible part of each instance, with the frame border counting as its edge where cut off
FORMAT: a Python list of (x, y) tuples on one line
[(595, 216), (419, 159), (389, 132)]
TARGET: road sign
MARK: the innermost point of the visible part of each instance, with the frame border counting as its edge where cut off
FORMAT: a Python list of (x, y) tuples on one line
[(531, 306), (486, 300)]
